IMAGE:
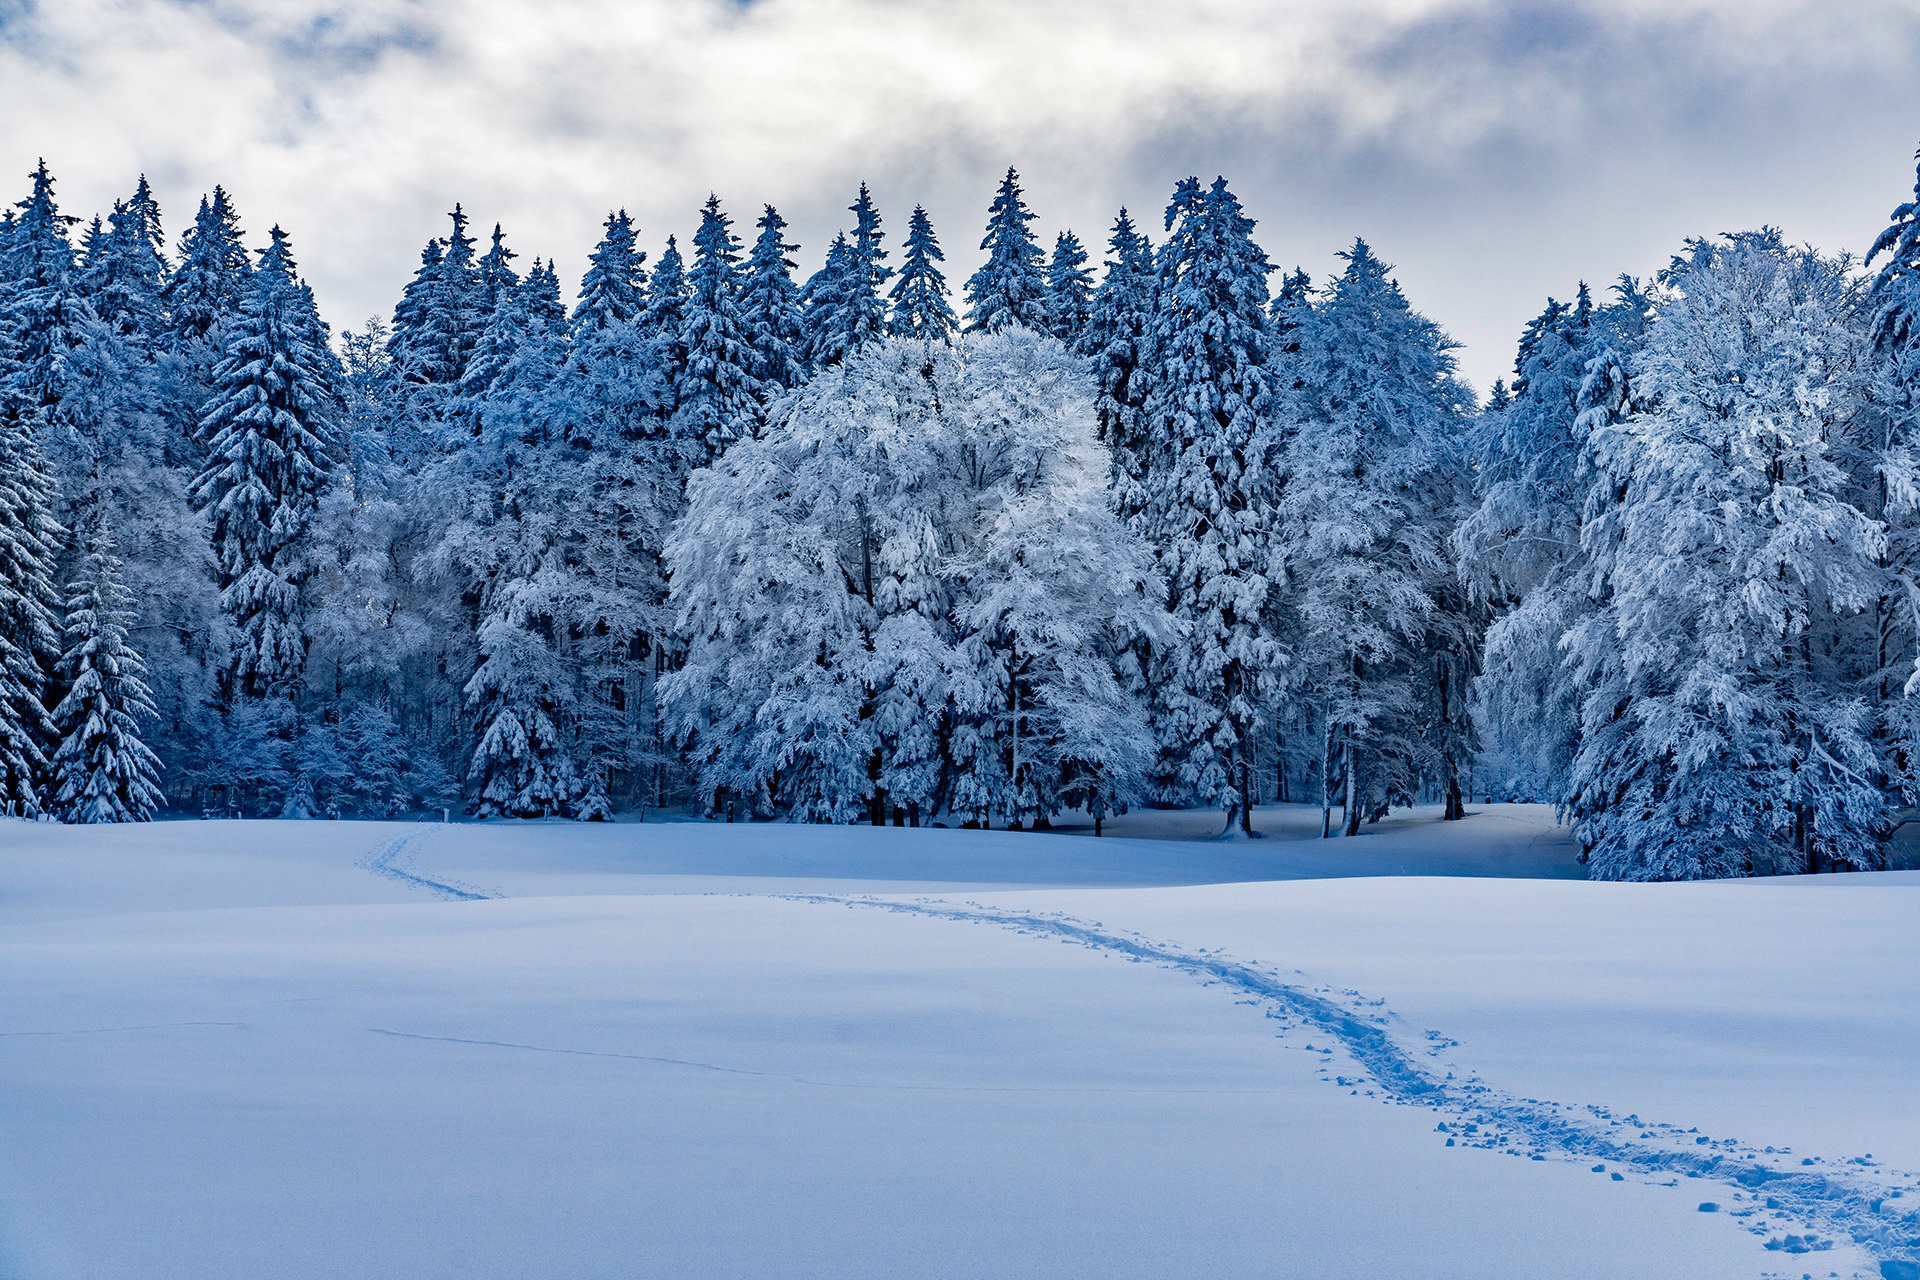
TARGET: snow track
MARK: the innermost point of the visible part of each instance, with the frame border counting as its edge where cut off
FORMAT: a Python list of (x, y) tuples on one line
[(1768, 1189), (393, 860)]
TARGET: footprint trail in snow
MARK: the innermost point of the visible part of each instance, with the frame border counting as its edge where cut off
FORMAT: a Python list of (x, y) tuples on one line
[(1769, 1189)]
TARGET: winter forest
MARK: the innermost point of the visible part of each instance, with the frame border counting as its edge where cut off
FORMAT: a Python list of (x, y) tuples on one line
[(1176, 528)]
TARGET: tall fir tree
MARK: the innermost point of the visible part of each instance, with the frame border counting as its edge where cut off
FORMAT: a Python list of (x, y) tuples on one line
[(42, 313), (824, 300), (1208, 491), (716, 400), (1010, 287), (919, 297), (495, 279), (770, 311), (613, 291), (1115, 341), (1370, 467), (268, 433), (30, 539), (1069, 289), (102, 770), (209, 286)]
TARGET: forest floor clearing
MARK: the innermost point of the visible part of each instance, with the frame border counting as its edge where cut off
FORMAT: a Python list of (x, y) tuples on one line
[(345, 1049)]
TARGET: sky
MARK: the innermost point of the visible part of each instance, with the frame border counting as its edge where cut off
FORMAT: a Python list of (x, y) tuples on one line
[(1496, 153)]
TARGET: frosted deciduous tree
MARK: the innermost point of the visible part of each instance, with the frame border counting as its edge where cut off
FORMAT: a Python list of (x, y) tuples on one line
[(905, 597), (1721, 728)]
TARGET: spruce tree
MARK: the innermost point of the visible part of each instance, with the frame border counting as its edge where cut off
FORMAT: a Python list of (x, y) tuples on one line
[(210, 284), (614, 288), (1371, 473), (102, 770), (1009, 288), (495, 278), (268, 434), (919, 297), (865, 318), (126, 285), (825, 301), (30, 540), (1115, 340), (1069, 290), (44, 317), (716, 397), (769, 308), (1208, 493)]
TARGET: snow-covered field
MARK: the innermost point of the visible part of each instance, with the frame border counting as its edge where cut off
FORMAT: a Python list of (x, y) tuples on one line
[(281, 1049)]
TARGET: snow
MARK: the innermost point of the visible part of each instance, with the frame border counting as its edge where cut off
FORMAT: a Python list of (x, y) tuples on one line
[(238, 1049)]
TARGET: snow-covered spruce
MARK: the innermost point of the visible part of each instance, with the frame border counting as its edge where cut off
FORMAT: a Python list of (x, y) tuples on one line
[(102, 771)]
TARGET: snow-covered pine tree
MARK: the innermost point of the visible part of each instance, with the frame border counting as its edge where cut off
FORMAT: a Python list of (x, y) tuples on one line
[(824, 303), (1367, 460), (919, 297), (209, 286), (1114, 339), (44, 317), (495, 277), (127, 281), (1892, 494), (102, 770), (1009, 288), (30, 539), (439, 317), (614, 289), (1519, 550), (1069, 289), (268, 433), (844, 303), (1207, 491), (769, 308), (1722, 731), (716, 393)]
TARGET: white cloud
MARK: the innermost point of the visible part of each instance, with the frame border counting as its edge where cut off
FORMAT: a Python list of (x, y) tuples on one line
[(1496, 152)]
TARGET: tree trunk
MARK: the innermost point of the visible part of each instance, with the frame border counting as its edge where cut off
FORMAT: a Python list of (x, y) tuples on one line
[(1326, 772), (1351, 809), (1246, 797)]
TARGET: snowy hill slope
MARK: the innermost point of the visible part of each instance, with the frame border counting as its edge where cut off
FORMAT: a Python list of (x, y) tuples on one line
[(312, 1049)]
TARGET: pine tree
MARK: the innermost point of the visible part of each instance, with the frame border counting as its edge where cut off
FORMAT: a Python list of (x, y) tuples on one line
[(613, 290), (844, 306), (439, 316), (1372, 473), (30, 539), (102, 771), (496, 279), (770, 312), (1069, 290), (44, 316), (125, 271), (1009, 288), (1115, 340), (825, 302), (268, 434), (920, 306), (210, 284), (717, 404), (1207, 493)]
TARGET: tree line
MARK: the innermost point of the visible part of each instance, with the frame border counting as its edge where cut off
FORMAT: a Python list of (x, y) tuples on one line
[(1191, 532)]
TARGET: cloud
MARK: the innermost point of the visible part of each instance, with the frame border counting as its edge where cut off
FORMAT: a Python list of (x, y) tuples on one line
[(1496, 152)]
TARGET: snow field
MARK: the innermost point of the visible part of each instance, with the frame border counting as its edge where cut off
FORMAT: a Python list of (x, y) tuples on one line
[(296, 1061)]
